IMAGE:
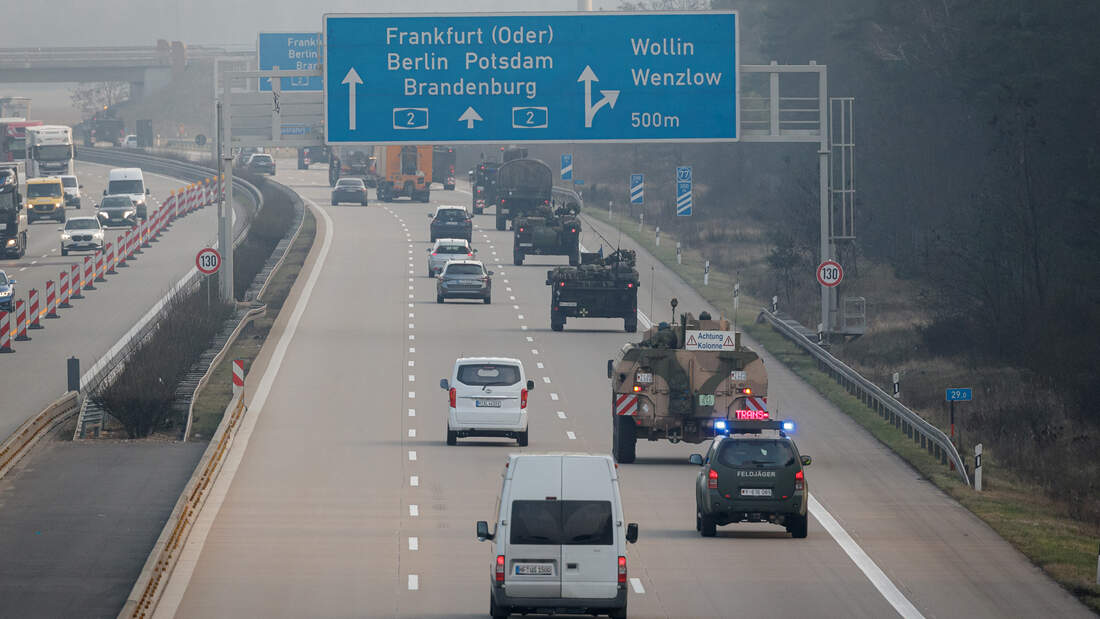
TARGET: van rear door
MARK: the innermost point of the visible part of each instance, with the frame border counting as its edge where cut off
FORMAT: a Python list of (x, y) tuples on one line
[(589, 552), (533, 554)]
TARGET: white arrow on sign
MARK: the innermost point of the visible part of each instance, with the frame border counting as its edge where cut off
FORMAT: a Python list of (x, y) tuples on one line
[(469, 117), (351, 79), (609, 96)]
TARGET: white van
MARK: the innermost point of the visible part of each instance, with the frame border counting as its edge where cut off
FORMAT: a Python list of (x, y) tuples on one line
[(488, 397), (559, 540), (128, 182)]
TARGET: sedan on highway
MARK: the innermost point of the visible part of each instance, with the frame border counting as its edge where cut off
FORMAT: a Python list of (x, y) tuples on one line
[(117, 210), (349, 190), (446, 250), (451, 222), (464, 279), (7, 291), (81, 234)]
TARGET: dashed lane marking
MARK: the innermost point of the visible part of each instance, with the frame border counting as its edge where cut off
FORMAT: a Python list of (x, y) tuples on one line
[(538, 364), (412, 432), (414, 544), (534, 351), (554, 396), (530, 339), (414, 481), (412, 412), (546, 379), (571, 436), (414, 582), (561, 415), (412, 395), (412, 456), (412, 378)]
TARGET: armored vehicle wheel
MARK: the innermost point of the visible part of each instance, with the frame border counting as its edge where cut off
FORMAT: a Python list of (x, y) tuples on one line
[(517, 258), (707, 526), (630, 325), (623, 440), (438, 298), (797, 526), (575, 256)]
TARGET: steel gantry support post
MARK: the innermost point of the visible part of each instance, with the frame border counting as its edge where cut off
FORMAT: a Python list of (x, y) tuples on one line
[(225, 201), (827, 309)]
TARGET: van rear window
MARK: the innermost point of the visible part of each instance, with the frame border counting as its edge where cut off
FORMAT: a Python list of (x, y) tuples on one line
[(569, 523), (755, 453), (488, 374)]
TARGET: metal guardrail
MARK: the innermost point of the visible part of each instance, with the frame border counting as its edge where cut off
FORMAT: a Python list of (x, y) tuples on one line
[(911, 424), (27, 435)]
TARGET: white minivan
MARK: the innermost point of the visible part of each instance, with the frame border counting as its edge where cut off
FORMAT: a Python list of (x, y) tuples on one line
[(559, 539), (488, 397), (129, 182)]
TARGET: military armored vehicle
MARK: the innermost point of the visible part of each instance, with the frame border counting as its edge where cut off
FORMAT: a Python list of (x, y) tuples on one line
[(684, 382), (522, 185), (547, 231), (600, 287), (484, 186)]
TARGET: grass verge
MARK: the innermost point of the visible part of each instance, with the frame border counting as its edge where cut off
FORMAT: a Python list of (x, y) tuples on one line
[(1065, 548), (211, 402)]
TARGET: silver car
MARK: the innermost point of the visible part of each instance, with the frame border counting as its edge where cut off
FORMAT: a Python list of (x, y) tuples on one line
[(465, 279), (81, 234), (446, 250)]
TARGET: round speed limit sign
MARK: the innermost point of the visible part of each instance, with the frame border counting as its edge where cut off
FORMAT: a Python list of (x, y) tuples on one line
[(829, 273), (208, 261)]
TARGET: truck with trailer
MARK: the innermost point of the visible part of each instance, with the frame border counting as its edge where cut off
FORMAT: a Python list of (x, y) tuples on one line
[(604, 287), (360, 162), (49, 151), (13, 138), (684, 382), (13, 214), (522, 185)]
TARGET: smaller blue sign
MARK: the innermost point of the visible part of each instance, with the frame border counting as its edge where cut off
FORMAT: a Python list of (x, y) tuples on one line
[(683, 191), (578, 182), (959, 394), (567, 167), (637, 189), (295, 130), (290, 51)]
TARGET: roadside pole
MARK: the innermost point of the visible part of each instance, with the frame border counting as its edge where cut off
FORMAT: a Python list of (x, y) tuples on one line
[(225, 206), (978, 467)]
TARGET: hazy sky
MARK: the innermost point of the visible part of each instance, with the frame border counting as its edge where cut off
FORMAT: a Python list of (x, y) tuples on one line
[(142, 22)]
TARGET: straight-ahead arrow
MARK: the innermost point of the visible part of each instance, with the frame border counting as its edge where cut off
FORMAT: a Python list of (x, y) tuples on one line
[(470, 116), (352, 79)]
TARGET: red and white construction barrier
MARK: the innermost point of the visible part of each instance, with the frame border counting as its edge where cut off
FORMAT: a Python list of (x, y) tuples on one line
[(89, 272), (34, 310), (21, 322), (238, 376), (74, 280), (51, 299), (5, 332)]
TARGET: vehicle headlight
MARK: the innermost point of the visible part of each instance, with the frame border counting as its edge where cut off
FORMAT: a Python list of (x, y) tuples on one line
[(129, 213), (66, 236)]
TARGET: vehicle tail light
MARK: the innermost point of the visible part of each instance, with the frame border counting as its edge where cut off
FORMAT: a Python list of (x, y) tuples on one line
[(712, 479), (630, 285), (799, 481), (470, 254), (434, 254), (521, 229), (745, 390), (638, 388), (523, 398), (622, 570), (572, 229), (500, 568), (562, 284), (454, 397)]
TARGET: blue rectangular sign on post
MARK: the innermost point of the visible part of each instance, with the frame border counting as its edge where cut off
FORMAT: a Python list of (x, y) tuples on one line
[(297, 51), (959, 394), (531, 77), (683, 191), (637, 189), (567, 167)]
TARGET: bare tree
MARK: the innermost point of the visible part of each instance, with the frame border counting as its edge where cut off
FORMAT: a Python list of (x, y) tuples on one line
[(95, 96)]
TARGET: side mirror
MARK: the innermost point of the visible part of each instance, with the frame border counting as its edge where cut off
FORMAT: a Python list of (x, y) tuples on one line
[(475, 251), (483, 531), (490, 272), (104, 192), (807, 461), (146, 191), (632, 532), (530, 385), (610, 366), (443, 384), (696, 459), (429, 215), (13, 281), (80, 186)]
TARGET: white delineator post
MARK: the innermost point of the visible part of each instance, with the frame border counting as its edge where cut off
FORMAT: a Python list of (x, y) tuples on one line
[(657, 238), (978, 467), (238, 377), (706, 273), (679, 256)]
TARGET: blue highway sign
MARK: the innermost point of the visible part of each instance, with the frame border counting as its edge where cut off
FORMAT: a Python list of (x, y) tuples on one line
[(567, 167), (637, 189), (531, 77), (683, 191), (959, 394), (297, 51)]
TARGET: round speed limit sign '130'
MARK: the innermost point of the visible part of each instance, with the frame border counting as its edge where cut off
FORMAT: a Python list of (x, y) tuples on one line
[(829, 273), (208, 261)]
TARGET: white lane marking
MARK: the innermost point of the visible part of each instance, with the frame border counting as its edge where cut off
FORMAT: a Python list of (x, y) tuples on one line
[(530, 339), (514, 306), (523, 327), (23, 269), (866, 565), (412, 378), (412, 349), (411, 288), (546, 379), (412, 395), (412, 456), (414, 544), (34, 262), (411, 271), (414, 582), (412, 412), (521, 316), (410, 280), (505, 281), (534, 351), (411, 337), (412, 315), (46, 255), (508, 289), (539, 365), (412, 432), (571, 436), (636, 583), (412, 363), (561, 415), (554, 396), (512, 298), (410, 296), (412, 305), (181, 575), (412, 325), (414, 480)]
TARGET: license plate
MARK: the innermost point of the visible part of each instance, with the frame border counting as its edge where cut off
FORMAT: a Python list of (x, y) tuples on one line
[(568, 304), (643, 377), (526, 244), (503, 211), (537, 569), (487, 403), (706, 399), (766, 492), (739, 375)]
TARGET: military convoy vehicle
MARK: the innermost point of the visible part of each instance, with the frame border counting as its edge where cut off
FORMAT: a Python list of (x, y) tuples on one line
[(13, 215), (601, 287), (483, 181), (684, 382), (522, 185), (547, 231)]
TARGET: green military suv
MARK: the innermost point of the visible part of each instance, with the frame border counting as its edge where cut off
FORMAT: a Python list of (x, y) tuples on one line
[(751, 473)]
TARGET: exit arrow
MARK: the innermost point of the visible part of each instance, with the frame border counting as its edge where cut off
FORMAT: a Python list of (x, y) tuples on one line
[(352, 79), (470, 116), (609, 96)]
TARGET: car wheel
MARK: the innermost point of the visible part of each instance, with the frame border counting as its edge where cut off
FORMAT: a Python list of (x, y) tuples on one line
[(364, 202), (521, 440), (617, 613), (488, 300), (517, 258), (452, 437), (630, 325), (557, 321), (707, 526), (439, 298), (698, 521), (64, 252), (496, 612), (335, 203), (797, 525)]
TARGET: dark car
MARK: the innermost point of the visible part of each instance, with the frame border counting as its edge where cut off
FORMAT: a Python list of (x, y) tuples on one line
[(117, 210), (349, 190), (464, 279), (451, 222), (261, 163), (753, 474)]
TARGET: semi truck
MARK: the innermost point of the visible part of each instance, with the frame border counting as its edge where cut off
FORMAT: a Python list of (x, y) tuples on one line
[(443, 166), (13, 138), (13, 215), (684, 382), (49, 150)]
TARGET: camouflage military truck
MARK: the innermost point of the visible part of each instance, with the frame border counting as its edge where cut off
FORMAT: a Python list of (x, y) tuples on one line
[(667, 387), (599, 288), (547, 231), (522, 185)]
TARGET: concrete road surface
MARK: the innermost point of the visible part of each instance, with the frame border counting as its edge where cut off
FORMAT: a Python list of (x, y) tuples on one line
[(341, 498)]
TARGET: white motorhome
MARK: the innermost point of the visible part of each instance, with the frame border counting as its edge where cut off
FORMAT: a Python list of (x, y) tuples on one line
[(49, 150), (559, 539), (129, 182)]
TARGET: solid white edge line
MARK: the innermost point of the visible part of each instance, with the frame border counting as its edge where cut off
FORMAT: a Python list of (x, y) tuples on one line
[(865, 564), (178, 581)]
